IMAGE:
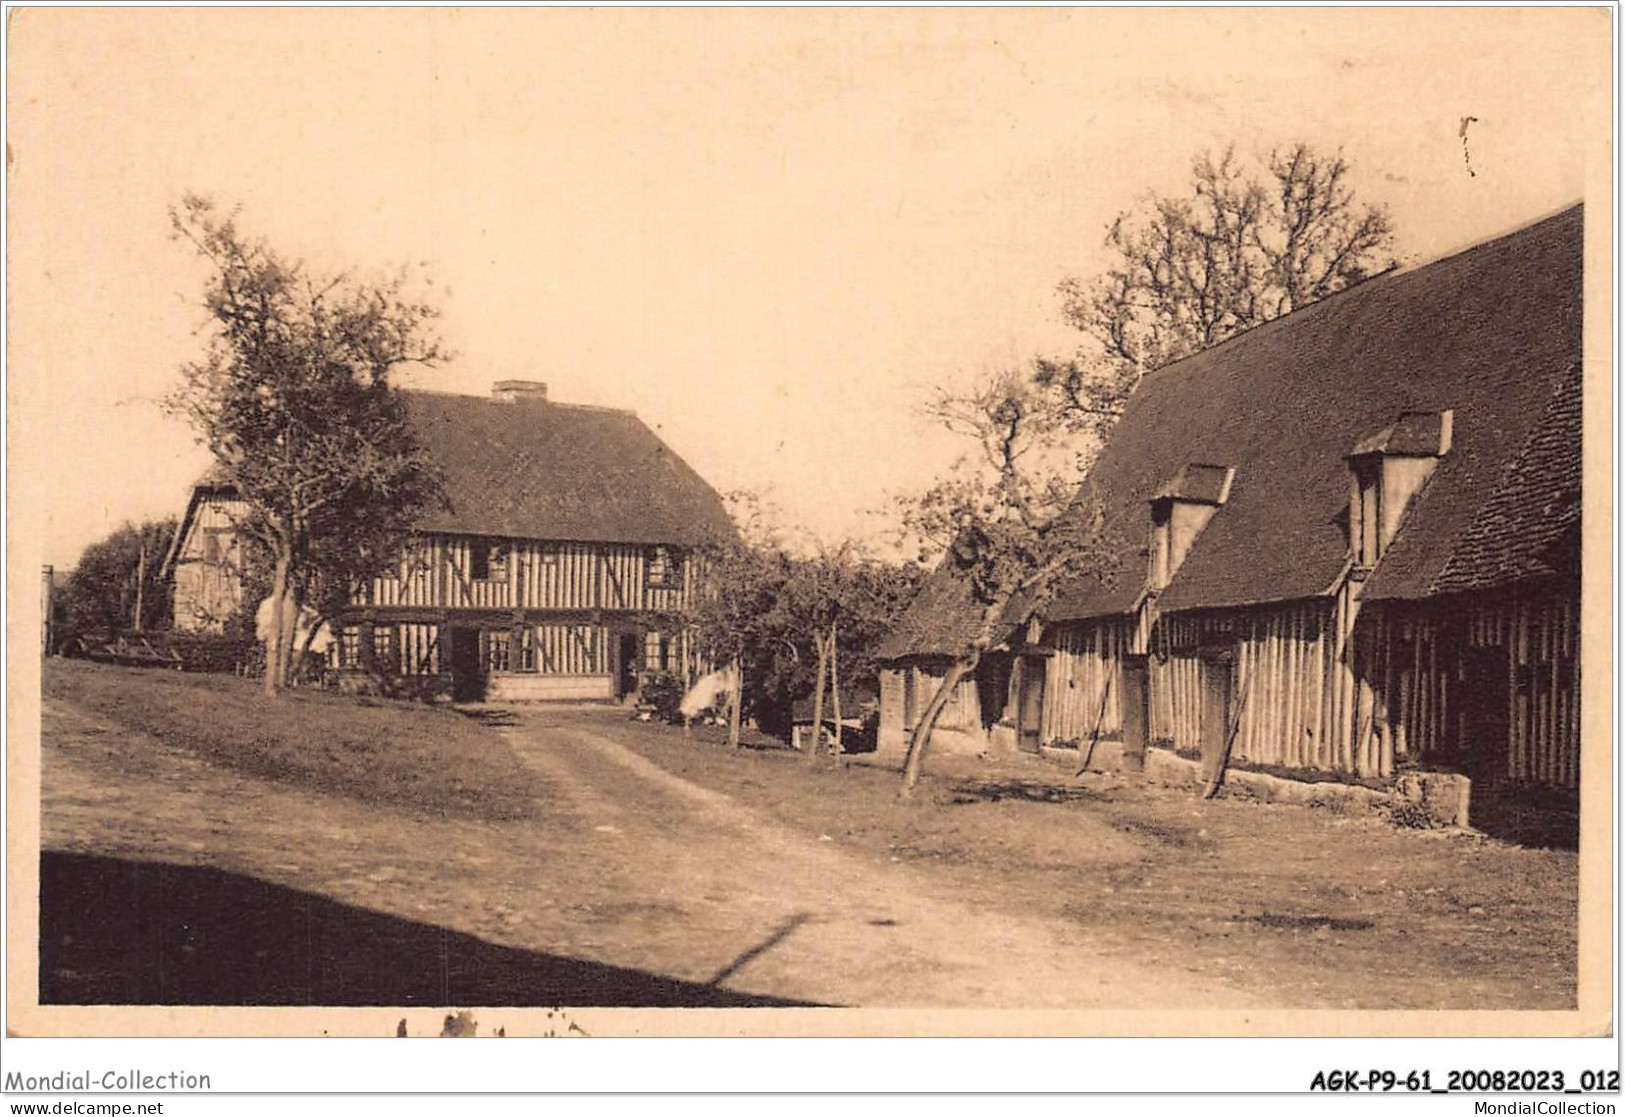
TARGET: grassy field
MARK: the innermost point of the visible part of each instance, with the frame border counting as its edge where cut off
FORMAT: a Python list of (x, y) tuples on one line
[(400, 753)]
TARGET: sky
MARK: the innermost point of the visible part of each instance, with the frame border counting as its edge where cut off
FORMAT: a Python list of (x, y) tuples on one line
[(766, 232)]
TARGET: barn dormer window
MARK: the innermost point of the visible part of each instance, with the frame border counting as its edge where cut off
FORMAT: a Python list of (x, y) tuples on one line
[(1179, 512), (1386, 472), (1365, 511), (1161, 515), (663, 568)]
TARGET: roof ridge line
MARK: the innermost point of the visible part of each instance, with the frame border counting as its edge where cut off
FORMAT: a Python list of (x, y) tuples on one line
[(494, 402), (1393, 271)]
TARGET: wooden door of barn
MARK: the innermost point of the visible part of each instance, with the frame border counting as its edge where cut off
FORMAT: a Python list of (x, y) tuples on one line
[(1217, 671), (1134, 700), (1486, 694), (1030, 703)]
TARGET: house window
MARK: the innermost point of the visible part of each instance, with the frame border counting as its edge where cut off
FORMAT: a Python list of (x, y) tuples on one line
[(498, 650), (664, 568), (349, 647), (385, 657), (527, 649), (657, 647), (487, 561)]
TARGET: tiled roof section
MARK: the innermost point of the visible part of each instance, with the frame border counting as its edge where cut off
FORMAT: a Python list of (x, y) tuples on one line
[(942, 620), (1205, 484), (1413, 434), (1488, 333), (540, 470), (1528, 529), (1420, 433)]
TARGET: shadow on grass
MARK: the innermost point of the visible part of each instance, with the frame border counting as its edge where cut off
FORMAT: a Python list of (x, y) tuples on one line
[(1534, 818), (493, 717), (129, 932), (1031, 791)]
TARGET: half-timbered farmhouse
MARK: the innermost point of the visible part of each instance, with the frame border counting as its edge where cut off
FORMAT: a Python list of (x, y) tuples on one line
[(1347, 542), (561, 566)]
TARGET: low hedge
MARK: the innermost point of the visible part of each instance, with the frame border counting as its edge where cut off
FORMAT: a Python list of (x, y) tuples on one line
[(217, 654)]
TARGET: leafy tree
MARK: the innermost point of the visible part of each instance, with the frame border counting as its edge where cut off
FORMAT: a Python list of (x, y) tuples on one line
[(772, 610), (1246, 245), (1008, 520), (740, 581), (118, 583), (295, 401), (834, 607)]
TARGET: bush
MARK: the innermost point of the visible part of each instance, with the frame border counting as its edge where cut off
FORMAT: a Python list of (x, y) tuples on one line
[(217, 654), (1407, 814), (664, 692)]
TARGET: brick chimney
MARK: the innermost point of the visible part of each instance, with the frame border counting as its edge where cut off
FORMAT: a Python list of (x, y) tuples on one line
[(519, 391)]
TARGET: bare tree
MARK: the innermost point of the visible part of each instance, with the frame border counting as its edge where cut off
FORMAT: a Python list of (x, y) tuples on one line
[(1245, 246), (294, 400), (1008, 519)]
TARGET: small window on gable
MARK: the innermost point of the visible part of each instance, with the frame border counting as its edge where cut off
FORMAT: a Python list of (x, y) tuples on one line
[(214, 545), (664, 568)]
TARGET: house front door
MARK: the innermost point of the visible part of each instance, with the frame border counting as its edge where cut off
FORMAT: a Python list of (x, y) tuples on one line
[(628, 661), (467, 673), (1030, 703)]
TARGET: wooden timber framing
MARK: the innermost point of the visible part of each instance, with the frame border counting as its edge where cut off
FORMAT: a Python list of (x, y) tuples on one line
[(562, 562), (1376, 574), (1365, 690)]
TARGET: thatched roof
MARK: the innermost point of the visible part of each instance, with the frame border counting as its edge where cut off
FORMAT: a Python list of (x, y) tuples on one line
[(942, 620), (1492, 334), (1529, 528), (1489, 333), (533, 469)]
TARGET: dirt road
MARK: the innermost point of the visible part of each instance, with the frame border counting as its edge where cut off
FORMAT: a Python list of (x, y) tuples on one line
[(766, 908), (637, 887)]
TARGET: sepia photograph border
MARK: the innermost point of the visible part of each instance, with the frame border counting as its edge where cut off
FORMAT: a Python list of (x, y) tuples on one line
[(30, 450)]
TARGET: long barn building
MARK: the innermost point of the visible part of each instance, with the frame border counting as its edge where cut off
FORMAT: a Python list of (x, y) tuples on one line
[(1344, 542), (561, 567)]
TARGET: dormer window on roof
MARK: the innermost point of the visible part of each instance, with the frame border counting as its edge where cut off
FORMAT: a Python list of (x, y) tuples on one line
[(1179, 512), (1386, 471)]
